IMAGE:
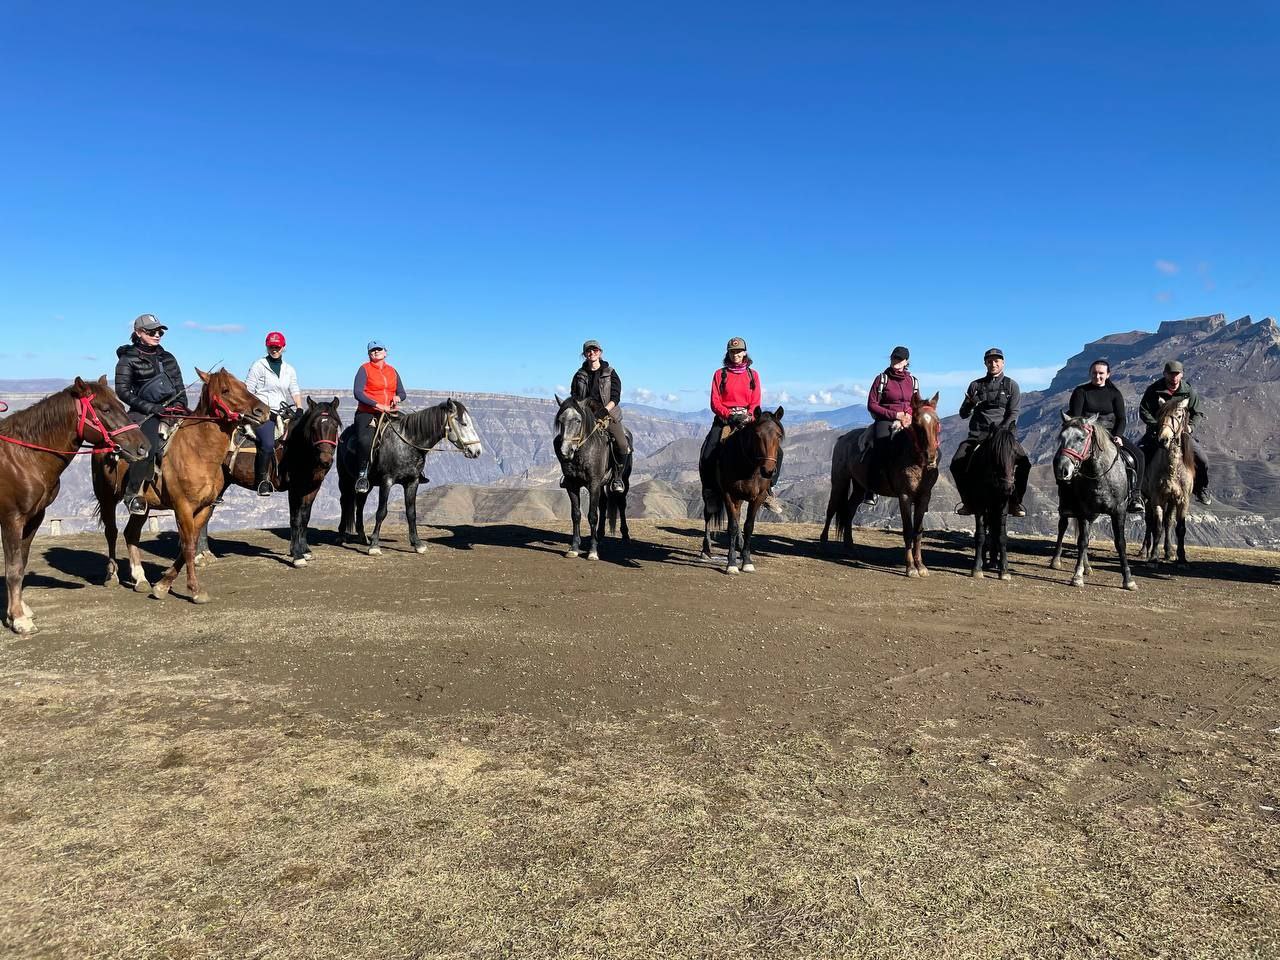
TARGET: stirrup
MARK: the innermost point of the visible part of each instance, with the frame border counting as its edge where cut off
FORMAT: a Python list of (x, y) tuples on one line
[(1205, 497), (1017, 510), (869, 498), (362, 483), (1136, 505), (265, 489), (137, 505), (617, 485), (963, 510)]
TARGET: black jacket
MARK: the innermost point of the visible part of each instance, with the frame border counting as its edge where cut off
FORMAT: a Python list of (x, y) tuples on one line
[(1105, 401), (990, 403), (148, 380)]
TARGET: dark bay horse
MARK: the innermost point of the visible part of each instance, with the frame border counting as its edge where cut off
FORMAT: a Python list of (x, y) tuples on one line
[(1092, 481), (302, 462), (36, 445), (985, 488), (582, 446), (1170, 477), (191, 477), (741, 471), (909, 472), (398, 459)]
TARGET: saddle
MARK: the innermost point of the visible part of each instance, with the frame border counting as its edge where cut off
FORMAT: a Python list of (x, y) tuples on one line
[(244, 440)]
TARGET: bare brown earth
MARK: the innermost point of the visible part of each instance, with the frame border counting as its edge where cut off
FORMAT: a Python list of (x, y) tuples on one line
[(494, 751)]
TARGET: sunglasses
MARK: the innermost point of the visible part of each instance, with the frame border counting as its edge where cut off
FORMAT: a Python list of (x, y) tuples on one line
[(153, 333)]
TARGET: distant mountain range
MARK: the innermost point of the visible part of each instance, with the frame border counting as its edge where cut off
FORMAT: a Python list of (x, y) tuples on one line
[(1234, 365)]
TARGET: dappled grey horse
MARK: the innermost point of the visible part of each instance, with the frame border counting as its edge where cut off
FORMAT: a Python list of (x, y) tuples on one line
[(398, 458), (582, 446), (1092, 481)]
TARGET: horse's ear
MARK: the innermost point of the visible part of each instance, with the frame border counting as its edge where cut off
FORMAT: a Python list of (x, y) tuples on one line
[(202, 375), (934, 401), (777, 414), (311, 404), (102, 381), (558, 400), (756, 413), (335, 403), (1066, 417), (1091, 419), (80, 387), (453, 407)]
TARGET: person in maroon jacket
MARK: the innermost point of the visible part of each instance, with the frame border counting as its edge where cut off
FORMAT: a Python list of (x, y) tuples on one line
[(890, 402)]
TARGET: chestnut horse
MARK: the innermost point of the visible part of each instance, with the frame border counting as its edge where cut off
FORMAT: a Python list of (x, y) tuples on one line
[(37, 445), (741, 471), (190, 479), (909, 473), (303, 460)]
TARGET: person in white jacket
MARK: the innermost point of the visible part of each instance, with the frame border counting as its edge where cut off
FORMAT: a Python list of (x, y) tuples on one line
[(275, 383)]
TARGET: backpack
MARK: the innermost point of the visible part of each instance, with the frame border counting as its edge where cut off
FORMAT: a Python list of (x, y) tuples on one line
[(724, 378), (884, 384)]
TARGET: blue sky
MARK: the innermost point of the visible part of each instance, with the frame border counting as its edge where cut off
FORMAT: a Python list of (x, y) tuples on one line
[(485, 185)]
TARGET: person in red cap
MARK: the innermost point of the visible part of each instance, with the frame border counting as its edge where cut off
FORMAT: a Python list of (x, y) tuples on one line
[(273, 381)]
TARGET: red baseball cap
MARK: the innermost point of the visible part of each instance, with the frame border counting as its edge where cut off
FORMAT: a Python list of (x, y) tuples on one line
[(275, 339)]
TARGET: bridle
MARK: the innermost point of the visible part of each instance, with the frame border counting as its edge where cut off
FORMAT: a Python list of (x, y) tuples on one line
[(87, 414), (1086, 452), (922, 453), (323, 417)]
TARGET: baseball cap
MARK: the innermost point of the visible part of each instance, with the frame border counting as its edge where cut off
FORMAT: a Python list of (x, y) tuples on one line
[(375, 345), (275, 339), (994, 353), (1173, 366), (148, 322)]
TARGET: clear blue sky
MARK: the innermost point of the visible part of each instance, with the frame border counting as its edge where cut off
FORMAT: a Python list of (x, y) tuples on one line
[(485, 185)]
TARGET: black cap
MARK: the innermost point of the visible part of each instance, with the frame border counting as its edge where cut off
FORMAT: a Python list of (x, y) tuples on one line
[(899, 353), (995, 353)]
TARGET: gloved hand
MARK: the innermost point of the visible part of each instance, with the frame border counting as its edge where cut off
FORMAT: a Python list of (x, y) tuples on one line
[(739, 418)]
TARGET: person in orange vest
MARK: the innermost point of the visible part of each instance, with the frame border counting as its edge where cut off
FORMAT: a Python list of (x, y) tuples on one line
[(378, 391)]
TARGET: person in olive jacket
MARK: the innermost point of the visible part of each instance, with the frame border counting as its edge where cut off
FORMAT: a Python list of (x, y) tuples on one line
[(1172, 386), (148, 381), (992, 402), (1099, 397)]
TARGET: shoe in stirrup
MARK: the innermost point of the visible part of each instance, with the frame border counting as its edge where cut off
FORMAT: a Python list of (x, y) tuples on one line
[(617, 485), (362, 483), (1136, 505), (962, 510), (1017, 510), (137, 505), (265, 489), (1205, 497), (869, 498)]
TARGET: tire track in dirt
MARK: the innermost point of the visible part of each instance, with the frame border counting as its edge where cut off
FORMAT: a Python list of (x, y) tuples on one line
[(1235, 699)]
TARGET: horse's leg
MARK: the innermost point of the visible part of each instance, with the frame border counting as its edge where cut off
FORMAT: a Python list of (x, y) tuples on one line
[(14, 571), (1149, 534), (199, 520), (132, 537), (411, 515), (1056, 562), (384, 497), (347, 505), (187, 530), (1083, 527), (1002, 521), (575, 511), (595, 494), (1119, 534), (1169, 514), (917, 527), (908, 534), (1182, 538), (304, 524), (1088, 564), (296, 548), (979, 542), (622, 517), (110, 531), (731, 507), (748, 528)]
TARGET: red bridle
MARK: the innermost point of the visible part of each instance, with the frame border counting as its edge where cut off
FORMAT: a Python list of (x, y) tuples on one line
[(323, 440), (1085, 451), (87, 414)]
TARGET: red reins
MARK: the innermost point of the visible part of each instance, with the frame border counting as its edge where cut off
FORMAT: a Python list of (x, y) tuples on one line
[(87, 414)]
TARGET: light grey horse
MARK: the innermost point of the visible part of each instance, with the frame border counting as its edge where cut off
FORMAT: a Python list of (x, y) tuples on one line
[(1091, 482)]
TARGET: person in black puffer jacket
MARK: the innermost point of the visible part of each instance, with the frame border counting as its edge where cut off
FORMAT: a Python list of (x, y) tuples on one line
[(148, 381), (1100, 397)]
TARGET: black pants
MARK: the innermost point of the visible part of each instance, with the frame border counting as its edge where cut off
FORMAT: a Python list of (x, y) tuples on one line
[(143, 470), (366, 423), (1021, 466), (1138, 460), (266, 435), (1148, 445)]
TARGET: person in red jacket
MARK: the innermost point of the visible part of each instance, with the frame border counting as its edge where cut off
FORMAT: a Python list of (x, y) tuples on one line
[(378, 391), (889, 401)]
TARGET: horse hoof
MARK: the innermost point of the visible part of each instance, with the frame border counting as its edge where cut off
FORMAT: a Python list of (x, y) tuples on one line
[(307, 556), (24, 626), (27, 611), (571, 554), (1054, 565), (141, 586), (299, 562), (375, 551), (978, 574), (420, 548), (730, 570), (705, 557), (1006, 577), (200, 597), (1077, 581), (922, 571), (913, 572), (593, 556), (1131, 585), (158, 592)]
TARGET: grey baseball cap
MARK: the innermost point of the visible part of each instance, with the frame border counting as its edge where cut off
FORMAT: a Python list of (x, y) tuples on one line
[(148, 322), (590, 344)]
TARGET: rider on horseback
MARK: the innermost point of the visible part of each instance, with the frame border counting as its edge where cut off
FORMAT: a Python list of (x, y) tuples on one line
[(378, 392), (596, 380), (149, 382), (1172, 386), (992, 402), (273, 381), (1099, 397), (735, 395), (889, 401)]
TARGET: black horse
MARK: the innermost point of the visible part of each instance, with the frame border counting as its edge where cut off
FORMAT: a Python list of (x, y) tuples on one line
[(303, 460), (985, 488), (1092, 481), (398, 456), (742, 470), (582, 446)]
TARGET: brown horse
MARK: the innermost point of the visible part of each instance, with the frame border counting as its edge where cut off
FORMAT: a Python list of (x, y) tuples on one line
[(1169, 479), (909, 473), (38, 444), (191, 478), (741, 471)]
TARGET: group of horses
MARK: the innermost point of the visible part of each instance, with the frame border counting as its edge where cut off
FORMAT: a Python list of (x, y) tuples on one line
[(201, 458)]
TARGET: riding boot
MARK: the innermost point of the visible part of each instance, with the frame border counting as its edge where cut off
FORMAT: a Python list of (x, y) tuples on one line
[(140, 473), (1135, 495), (261, 473)]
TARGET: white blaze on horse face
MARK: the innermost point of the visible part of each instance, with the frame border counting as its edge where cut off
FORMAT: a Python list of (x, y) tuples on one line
[(463, 435), (571, 429)]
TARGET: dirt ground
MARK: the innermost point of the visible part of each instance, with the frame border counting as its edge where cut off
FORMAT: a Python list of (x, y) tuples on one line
[(491, 750)]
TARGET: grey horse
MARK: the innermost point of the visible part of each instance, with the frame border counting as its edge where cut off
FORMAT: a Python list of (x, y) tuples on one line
[(1091, 482), (582, 446), (398, 459)]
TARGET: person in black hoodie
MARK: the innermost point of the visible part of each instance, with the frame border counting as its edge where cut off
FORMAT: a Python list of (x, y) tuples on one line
[(1099, 397), (596, 381), (148, 381)]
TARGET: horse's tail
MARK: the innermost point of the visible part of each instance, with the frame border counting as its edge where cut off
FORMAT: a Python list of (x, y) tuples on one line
[(840, 510), (713, 509)]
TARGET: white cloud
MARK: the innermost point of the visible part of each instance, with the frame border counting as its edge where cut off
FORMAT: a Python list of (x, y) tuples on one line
[(214, 327), (784, 397), (670, 397), (1164, 296), (1167, 267), (642, 395)]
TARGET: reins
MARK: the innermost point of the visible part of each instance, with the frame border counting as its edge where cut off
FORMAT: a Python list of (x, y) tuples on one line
[(1086, 452), (87, 414)]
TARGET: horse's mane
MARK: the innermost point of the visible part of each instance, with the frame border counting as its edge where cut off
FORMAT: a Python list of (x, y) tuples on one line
[(1002, 444), (204, 405), (41, 418), (426, 425), (584, 407)]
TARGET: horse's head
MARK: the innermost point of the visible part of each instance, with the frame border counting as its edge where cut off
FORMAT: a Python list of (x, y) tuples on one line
[(1004, 458), (323, 427), (225, 397), (928, 428), (461, 429), (574, 423), (103, 421), (1172, 424), (1075, 446), (764, 440)]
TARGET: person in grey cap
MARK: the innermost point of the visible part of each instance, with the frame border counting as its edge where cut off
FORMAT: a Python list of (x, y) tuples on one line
[(990, 403), (1173, 386), (149, 382), (596, 380)]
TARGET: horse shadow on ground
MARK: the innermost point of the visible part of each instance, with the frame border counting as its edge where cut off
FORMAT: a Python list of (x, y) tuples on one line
[(521, 537), (86, 566), (223, 546)]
